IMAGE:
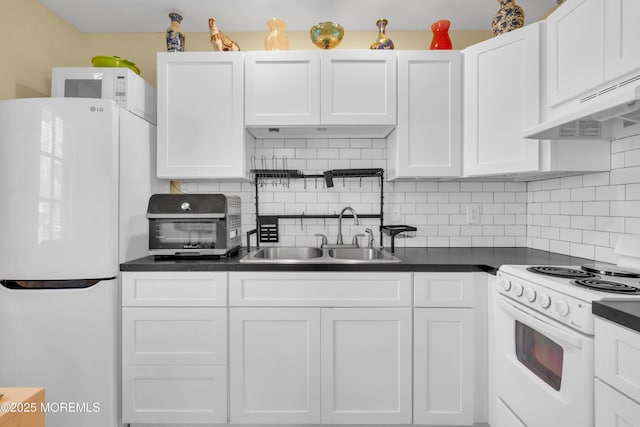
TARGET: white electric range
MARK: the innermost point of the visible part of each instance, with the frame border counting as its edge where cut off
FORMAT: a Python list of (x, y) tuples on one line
[(544, 368)]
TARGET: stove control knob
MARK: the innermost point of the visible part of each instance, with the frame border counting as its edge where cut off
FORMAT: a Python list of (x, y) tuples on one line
[(544, 300), (504, 284), (530, 294), (517, 289), (561, 307)]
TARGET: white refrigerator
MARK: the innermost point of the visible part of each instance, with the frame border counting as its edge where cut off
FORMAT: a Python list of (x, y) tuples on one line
[(75, 178)]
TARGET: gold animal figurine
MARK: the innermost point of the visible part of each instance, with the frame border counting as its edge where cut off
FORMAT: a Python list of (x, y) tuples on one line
[(219, 41)]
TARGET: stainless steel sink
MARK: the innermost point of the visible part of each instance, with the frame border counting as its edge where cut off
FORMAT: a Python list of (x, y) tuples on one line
[(286, 253), (290, 255), (359, 254)]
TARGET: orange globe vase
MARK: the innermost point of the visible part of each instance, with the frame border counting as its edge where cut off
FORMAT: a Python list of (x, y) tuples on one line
[(441, 38)]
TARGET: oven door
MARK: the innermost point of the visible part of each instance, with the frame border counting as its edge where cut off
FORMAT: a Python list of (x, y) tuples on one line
[(544, 370), (203, 236)]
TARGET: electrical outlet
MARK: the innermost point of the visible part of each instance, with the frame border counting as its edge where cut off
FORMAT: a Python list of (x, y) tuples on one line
[(473, 214)]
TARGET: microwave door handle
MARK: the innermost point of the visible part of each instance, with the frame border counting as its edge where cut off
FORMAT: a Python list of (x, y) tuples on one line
[(541, 326)]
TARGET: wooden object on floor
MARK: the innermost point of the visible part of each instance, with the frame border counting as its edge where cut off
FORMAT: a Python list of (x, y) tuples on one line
[(21, 407)]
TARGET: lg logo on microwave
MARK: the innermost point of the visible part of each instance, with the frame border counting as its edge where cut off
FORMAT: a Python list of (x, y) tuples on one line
[(96, 109)]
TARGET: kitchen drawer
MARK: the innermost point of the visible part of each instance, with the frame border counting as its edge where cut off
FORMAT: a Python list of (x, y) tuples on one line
[(613, 409), (320, 289), (443, 289), (174, 336), (166, 289), (617, 353), (174, 394)]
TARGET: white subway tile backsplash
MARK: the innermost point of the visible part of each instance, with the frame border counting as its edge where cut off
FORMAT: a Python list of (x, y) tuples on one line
[(625, 208), (583, 222), (582, 215), (585, 193), (626, 175), (595, 208), (610, 224)]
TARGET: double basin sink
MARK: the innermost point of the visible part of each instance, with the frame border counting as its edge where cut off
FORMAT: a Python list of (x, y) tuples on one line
[(287, 255)]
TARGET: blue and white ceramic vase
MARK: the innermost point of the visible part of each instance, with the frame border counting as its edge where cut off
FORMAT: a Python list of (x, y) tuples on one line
[(175, 35)]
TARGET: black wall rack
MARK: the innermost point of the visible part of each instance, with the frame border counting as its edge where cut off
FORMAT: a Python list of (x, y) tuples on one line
[(283, 177)]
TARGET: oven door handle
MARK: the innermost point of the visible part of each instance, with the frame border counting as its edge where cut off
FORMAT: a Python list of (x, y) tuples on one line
[(540, 325)]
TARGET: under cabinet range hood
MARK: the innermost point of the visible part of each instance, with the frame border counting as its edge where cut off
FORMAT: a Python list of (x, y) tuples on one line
[(321, 131), (593, 116)]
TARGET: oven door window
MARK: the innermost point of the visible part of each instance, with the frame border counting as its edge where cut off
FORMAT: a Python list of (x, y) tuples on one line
[(539, 354), (183, 234)]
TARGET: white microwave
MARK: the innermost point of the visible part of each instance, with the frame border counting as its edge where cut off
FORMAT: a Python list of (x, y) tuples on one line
[(129, 90)]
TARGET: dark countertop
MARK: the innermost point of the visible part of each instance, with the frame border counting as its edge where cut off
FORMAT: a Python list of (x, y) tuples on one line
[(413, 259), (625, 313)]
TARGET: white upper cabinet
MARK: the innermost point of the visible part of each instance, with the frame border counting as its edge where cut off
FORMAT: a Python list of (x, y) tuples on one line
[(575, 49), (358, 87), (200, 115), (501, 98), (427, 140), (328, 88), (622, 50), (590, 43), (282, 88)]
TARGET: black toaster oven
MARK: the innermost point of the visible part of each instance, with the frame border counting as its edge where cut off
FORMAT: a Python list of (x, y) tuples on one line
[(197, 224)]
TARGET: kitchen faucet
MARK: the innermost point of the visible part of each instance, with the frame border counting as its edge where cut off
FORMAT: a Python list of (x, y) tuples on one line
[(355, 219)]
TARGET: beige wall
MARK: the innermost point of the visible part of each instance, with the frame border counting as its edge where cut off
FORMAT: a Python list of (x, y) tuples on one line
[(41, 40)]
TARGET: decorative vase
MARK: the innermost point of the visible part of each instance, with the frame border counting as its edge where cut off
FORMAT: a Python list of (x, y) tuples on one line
[(382, 42), (441, 38), (509, 17), (276, 39), (175, 35), (326, 35)]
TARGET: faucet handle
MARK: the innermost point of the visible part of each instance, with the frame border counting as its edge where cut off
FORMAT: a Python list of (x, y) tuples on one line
[(354, 241), (324, 239), (369, 233)]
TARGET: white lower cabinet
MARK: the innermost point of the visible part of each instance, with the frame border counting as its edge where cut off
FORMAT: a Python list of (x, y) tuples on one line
[(174, 348), (275, 365), (301, 348), (617, 383), (443, 366), (366, 365), (320, 364), (444, 348)]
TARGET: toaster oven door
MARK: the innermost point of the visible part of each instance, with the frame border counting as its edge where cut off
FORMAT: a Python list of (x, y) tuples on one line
[(187, 236)]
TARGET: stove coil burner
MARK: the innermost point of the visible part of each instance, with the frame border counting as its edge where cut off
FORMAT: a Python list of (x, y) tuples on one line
[(607, 286), (562, 272)]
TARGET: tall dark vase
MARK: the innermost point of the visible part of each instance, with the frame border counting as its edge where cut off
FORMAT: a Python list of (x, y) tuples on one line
[(509, 17), (175, 35), (382, 42)]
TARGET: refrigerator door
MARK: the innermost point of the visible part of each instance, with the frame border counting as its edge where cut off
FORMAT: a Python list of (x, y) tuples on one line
[(58, 189), (65, 340)]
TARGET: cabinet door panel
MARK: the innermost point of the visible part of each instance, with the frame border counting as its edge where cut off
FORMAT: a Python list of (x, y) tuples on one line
[(575, 49), (427, 141), (274, 363), (174, 289), (282, 88), (174, 336), (324, 289), (502, 97), (443, 290), (622, 49), (366, 366), (443, 366), (200, 115), (174, 394), (358, 87), (613, 409), (617, 352)]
